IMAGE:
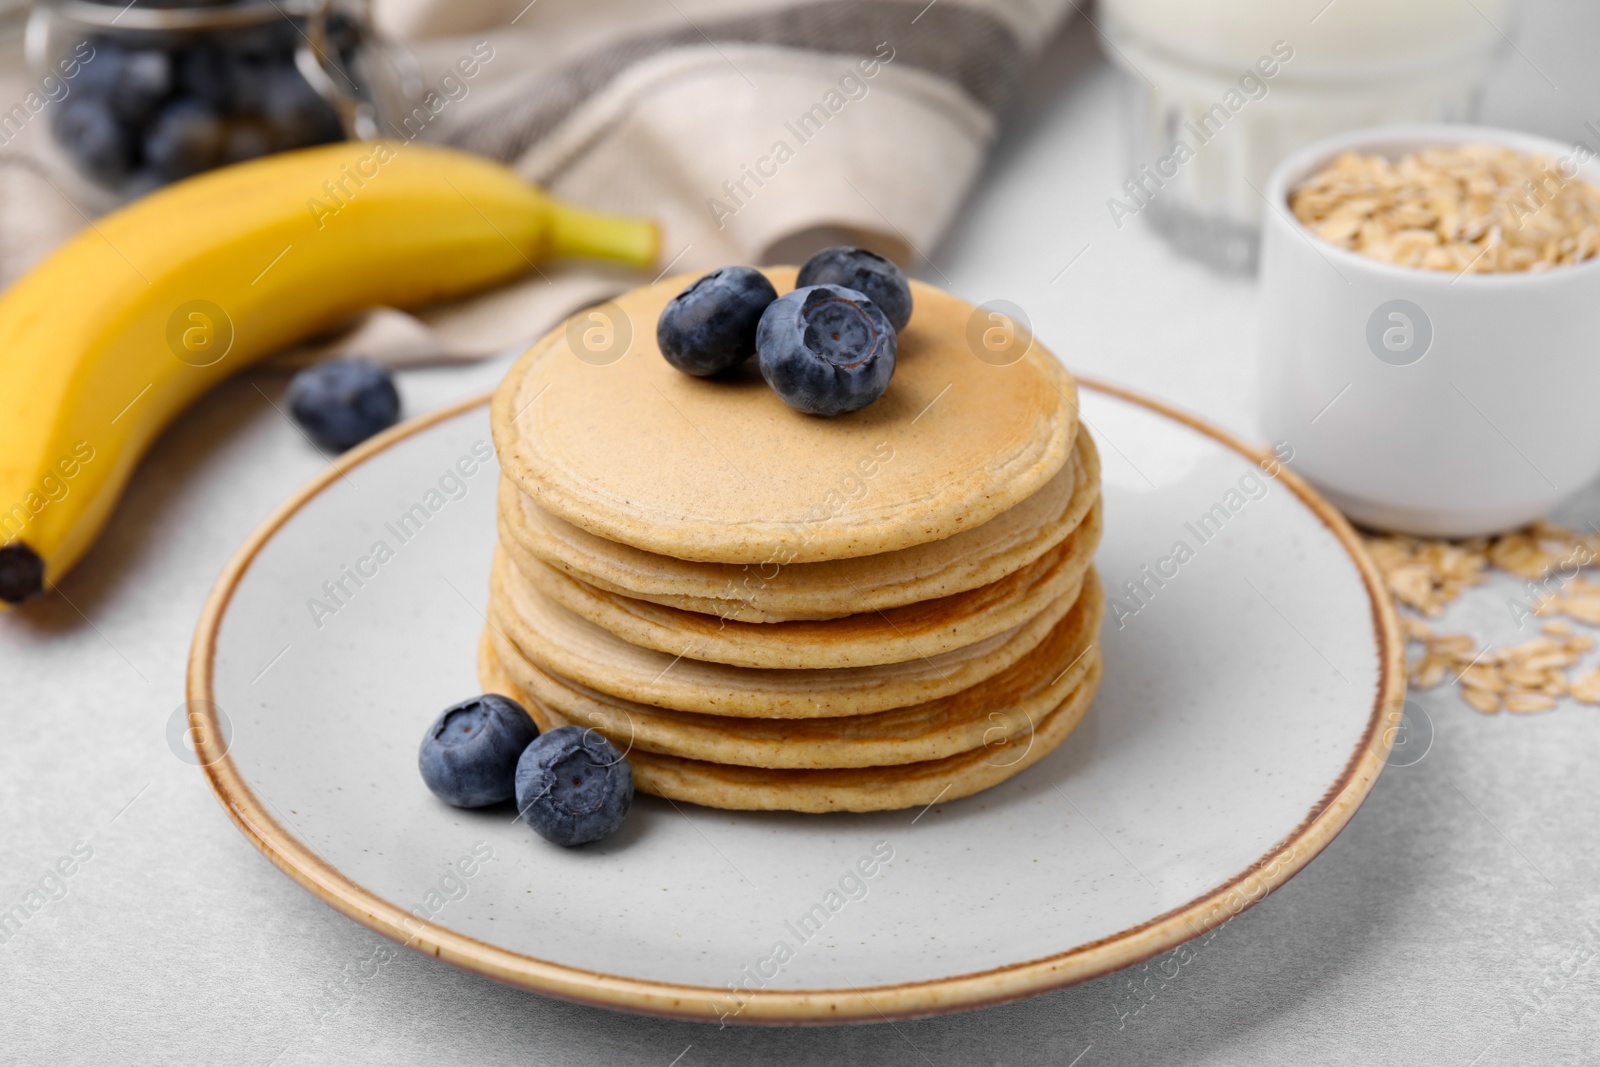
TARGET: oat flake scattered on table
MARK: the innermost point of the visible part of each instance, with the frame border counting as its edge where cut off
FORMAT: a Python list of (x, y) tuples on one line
[(1426, 575)]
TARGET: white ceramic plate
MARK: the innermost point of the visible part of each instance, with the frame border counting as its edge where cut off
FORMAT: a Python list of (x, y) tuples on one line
[(1242, 719)]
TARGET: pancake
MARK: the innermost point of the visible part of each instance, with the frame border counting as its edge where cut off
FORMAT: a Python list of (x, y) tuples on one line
[(878, 788), (987, 714), (562, 643), (914, 631), (970, 559), (721, 470)]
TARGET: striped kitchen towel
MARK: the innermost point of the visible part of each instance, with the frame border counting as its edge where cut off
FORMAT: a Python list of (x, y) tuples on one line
[(756, 132)]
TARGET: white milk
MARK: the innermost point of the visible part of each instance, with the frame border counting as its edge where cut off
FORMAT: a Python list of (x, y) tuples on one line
[(1197, 80)]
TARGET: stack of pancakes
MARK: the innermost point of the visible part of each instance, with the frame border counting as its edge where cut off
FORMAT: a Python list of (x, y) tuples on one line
[(768, 610)]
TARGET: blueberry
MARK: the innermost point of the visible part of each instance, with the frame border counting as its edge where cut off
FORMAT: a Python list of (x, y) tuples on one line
[(245, 138), (469, 755), (247, 74), (298, 114), (866, 272), (573, 786), (342, 402), (826, 349), (97, 76), (202, 71), (185, 139), (93, 138), (711, 326), (142, 82)]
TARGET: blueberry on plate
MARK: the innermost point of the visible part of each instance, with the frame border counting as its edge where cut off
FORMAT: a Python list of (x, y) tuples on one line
[(826, 350), (573, 786), (866, 272), (342, 402), (469, 755), (92, 137), (711, 326)]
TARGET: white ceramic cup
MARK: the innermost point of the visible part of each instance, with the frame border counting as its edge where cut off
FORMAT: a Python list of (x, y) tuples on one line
[(1425, 401)]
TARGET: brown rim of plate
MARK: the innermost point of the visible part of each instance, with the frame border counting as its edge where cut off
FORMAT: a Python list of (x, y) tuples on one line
[(819, 1006)]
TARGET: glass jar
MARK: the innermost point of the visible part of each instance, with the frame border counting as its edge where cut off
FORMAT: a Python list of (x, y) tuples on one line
[(1220, 91), (154, 94)]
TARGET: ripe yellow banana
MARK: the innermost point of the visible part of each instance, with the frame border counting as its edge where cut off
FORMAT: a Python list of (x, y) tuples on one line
[(109, 338)]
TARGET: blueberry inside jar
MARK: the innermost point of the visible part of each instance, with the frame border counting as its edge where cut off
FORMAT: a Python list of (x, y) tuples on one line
[(140, 96)]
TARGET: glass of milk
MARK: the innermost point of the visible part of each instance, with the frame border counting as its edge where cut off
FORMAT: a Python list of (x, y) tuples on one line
[(1221, 90)]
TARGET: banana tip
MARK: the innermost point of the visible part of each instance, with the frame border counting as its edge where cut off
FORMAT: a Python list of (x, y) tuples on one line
[(21, 573)]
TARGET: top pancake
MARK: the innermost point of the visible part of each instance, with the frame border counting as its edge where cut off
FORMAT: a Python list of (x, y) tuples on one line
[(720, 470)]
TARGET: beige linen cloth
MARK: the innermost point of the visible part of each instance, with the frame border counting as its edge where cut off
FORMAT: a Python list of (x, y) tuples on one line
[(754, 132)]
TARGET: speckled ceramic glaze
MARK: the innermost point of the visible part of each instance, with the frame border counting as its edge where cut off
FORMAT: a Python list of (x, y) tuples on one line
[(1251, 670)]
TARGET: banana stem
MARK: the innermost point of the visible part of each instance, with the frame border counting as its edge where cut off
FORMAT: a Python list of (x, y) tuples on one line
[(573, 231)]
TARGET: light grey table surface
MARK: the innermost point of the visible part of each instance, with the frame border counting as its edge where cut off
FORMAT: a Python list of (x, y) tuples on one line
[(1455, 921)]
